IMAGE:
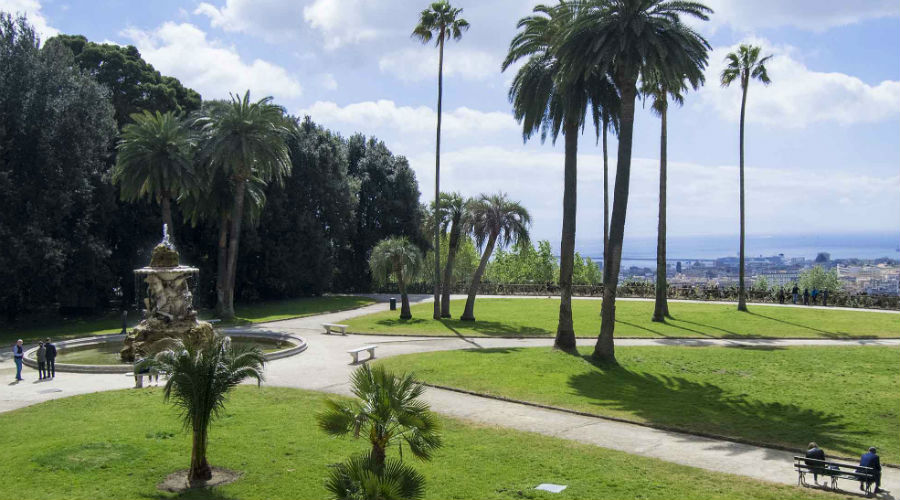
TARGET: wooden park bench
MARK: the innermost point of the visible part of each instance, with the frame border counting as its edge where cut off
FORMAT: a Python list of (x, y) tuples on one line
[(355, 352), (832, 471), (330, 328)]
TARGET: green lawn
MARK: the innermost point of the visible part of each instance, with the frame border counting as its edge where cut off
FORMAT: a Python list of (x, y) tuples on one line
[(538, 318), (59, 328), (67, 449), (844, 398)]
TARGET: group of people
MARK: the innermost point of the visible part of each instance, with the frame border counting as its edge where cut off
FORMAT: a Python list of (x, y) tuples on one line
[(46, 359), (869, 459), (806, 297)]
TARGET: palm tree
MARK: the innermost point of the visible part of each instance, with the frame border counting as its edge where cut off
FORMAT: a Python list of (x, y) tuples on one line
[(453, 214), (155, 160), (360, 477), (543, 101), (492, 218), (201, 373), (655, 87), (399, 257), (622, 38), (746, 65), (246, 140), (388, 410), (605, 106), (441, 22)]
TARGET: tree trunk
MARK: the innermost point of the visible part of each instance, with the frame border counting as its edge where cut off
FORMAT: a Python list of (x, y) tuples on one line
[(742, 297), (604, 350), (222, 266), (448, 268), (200, 469), (469, 312), (166, 206), (237, 216), (605, 189), (405, 312), (437, 184), (378, 455), (661, 308), (565, 332)]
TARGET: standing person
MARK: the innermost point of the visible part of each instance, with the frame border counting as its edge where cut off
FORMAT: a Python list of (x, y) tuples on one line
[(815, 295), (42, 360), (825, 298), (18, 354), (806, 296), (795, 292), (813, 453), (51, 358), (872, 461), (781, 295)]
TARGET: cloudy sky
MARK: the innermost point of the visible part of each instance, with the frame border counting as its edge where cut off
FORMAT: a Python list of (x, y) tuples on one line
[(822, 139)]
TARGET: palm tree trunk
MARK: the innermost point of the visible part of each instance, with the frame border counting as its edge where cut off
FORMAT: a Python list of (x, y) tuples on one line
[(605, 189), (742, 297), (200, 469), (378, 455), (605, 350), (448, 269), (405, 312), (166, 206), (469, 312), (237, 215), (661, 308), (565, 332), (222, 266), (437, 184)]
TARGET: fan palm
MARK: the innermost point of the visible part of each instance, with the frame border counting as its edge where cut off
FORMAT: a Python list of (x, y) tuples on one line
[(201, 373), (245, 140), (453, 214), (493, 218), (746, 65), (361, 478), (655, 88), (155, 160), (388, 410), (622, 38), (396, 256), (441, 22)]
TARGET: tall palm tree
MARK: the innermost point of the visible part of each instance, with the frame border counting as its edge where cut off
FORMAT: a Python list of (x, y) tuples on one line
[(396, 256), (387, 410), (440, 22), (493, 218), (746, 65), (453, 214), (605, 106), (622, 38), (246, 140), (655, 88), (543, 101), (155, 159), (201, 373)]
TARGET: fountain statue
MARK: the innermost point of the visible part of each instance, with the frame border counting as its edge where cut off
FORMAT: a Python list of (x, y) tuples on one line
[(168, 307)]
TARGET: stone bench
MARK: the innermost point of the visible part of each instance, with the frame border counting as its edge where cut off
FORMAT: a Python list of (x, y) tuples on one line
[(354, 353), (330, 328)]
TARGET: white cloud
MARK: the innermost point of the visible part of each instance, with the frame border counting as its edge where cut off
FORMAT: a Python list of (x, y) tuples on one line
[(341, 22), (813, 15), (211, 68), (273, 20), (799, 96), (422, 63), (327, 81), (32, 10)]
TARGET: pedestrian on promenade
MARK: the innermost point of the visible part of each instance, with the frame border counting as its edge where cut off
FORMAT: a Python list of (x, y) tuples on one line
[(781, 295), (18, 354), (795, 292), (815, 295), (42, 360), (51, 358), (806, 296), (825, 297), (872, 461)]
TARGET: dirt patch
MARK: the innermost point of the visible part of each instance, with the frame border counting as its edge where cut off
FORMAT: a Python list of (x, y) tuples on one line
[(177, 482)]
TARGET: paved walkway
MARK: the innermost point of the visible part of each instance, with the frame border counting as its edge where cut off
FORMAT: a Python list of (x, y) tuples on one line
[(324, 367)]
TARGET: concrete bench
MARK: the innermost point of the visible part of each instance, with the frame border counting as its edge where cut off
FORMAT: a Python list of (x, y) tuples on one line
[(330, 328), (355, 352)]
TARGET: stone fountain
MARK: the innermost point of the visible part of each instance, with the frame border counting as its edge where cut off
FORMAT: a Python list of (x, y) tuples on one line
[(168, 308)]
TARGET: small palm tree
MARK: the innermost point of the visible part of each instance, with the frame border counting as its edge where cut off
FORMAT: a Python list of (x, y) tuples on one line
[(155, 160), (453, 214), (201, 373), (361, 478), (746, 65), (440, 22), (396, 256), (246, 140), (493, 218), (388, 410)]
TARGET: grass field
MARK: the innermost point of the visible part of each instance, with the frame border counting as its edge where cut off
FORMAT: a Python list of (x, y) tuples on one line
[(844, 398), (59, 328), (67, 449), (535, 317)]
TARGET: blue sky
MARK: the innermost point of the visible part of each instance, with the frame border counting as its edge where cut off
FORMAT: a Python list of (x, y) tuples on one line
[(822, 141)]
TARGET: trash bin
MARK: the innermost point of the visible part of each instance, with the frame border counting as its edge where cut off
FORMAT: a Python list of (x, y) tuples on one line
[(393, 304)]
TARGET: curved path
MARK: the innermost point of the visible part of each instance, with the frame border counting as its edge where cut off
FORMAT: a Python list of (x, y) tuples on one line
[(324, 367)]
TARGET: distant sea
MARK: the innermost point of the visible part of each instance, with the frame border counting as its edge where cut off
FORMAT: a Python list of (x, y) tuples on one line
[(641, 251)]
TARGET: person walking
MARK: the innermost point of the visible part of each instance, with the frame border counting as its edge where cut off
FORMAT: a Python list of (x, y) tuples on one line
[(814, 458), (815, 295), (806, 296), (18, 354), (872, 461), (781, 295), (795, 292), (825, 298), (51, 358), (42, 360)]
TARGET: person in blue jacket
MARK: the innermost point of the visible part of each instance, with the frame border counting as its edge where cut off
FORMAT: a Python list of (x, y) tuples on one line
[(872, 461)]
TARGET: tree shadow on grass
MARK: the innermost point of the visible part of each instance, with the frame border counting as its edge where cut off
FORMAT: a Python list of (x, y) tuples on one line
[(824, 333), (194, 494), (680, 403)]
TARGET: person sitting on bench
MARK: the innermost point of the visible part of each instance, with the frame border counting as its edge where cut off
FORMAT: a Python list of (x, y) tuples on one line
[(872, 461), (814, 452)]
